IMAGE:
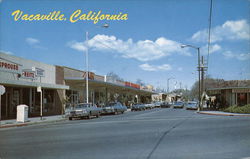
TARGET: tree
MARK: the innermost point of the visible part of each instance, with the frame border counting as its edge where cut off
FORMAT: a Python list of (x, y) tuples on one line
[(114, 76), (140, 82)]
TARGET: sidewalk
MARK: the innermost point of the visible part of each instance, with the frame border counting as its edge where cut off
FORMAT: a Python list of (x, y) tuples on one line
[(222, 113), (31, 121)]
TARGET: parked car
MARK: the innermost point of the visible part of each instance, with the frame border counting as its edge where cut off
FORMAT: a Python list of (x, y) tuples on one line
[(157, 104), (178, 104), (165, 105), (149, 106), (138, 107), (114, 108), (191, 105), (84, 110)]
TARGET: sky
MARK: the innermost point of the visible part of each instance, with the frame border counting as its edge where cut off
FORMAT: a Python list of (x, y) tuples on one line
[(146, 46)]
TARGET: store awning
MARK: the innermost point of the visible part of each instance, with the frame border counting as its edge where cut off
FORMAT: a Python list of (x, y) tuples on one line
[(32, 84), (95, 83)]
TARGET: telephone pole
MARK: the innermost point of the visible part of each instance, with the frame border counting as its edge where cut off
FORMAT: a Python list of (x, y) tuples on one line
[(202, 69)]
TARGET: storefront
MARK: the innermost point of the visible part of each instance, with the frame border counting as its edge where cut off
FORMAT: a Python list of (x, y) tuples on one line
[(102, 90), (21, 77), (229, 96)]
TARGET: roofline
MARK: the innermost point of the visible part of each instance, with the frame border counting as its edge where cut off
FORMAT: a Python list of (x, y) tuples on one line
[(108, 83), (223, 88)]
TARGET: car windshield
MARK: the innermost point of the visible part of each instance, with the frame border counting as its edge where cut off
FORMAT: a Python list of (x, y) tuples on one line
[(178, 103), (85, 105), (110, 104), (191, 103)]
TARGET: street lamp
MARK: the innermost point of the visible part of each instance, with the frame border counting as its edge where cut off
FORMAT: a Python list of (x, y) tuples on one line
[(198, 51), (168, 82), (87, 63)]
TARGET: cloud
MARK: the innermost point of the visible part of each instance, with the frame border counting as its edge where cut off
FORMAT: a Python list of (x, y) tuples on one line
[(213, 48), (230, 30), (180, 69), (143, 50), (242, 56), (32, 41), (79, 46), (147, 67), (6, 52)]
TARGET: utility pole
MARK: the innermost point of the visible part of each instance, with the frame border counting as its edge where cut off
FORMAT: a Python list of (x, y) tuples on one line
[(199, 70), (202, 70), (87, 69)]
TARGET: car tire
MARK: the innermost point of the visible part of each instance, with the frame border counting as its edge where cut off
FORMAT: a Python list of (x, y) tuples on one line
[(89, 115), (70, 118), (98, 115)]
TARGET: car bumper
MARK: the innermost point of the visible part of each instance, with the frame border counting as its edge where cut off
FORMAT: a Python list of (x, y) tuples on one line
[(175, 106), (78, 115), (108, 111)]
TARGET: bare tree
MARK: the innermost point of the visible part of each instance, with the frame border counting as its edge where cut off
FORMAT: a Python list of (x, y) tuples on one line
[(114, 76)]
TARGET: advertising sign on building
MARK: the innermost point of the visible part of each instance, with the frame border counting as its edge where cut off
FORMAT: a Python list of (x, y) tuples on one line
[(8, 66), (39, 72), (28, 73)]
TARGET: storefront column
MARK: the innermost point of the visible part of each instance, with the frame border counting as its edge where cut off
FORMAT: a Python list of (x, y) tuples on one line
[(236, 99), (30, 100), (106, 96), (248, 96)]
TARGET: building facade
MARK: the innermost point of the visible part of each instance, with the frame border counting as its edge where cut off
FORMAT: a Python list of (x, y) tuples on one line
[(61, 86), (21, 78), (229, 96), (102, 89)]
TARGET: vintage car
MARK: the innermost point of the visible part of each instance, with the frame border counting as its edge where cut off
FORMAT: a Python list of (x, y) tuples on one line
[(114, 108), (84, 110), (191, 105), (138, 107), (166, 105), (178, 104)]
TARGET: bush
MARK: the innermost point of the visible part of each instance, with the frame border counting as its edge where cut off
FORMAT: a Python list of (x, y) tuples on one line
[(238, 109)]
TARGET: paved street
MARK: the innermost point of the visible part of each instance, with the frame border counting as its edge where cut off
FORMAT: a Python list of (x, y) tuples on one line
[(157, 133)]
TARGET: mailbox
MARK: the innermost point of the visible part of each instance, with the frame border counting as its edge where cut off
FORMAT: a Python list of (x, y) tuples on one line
[(22, 113)]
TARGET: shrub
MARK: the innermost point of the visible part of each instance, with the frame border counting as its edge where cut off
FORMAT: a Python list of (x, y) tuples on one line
[(239, 109)]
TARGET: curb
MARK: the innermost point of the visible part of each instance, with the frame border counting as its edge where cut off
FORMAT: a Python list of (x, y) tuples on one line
[(30, 123), (221, 114)]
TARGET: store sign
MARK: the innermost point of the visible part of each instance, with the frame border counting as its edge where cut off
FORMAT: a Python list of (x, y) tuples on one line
[(241, 90), (32, 73), (28, 74), (39, 72), (8, 66)]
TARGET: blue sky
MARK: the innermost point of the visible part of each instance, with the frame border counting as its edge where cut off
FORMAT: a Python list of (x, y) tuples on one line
[(146, 46)]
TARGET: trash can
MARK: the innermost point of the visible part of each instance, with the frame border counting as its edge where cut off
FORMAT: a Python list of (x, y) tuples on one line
[(22, 113)]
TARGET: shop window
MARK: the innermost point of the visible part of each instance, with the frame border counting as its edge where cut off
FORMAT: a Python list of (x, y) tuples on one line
[(242, 99), (15, 101), (48, 101)]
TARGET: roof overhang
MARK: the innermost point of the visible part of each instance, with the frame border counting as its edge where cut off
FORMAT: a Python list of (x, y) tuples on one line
[(81, 82), (32, 84)]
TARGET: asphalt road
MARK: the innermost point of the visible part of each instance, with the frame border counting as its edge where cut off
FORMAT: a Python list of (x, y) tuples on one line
[(158, 133)]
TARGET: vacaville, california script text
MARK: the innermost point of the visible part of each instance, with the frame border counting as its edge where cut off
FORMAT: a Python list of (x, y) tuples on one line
[(76, 16)]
